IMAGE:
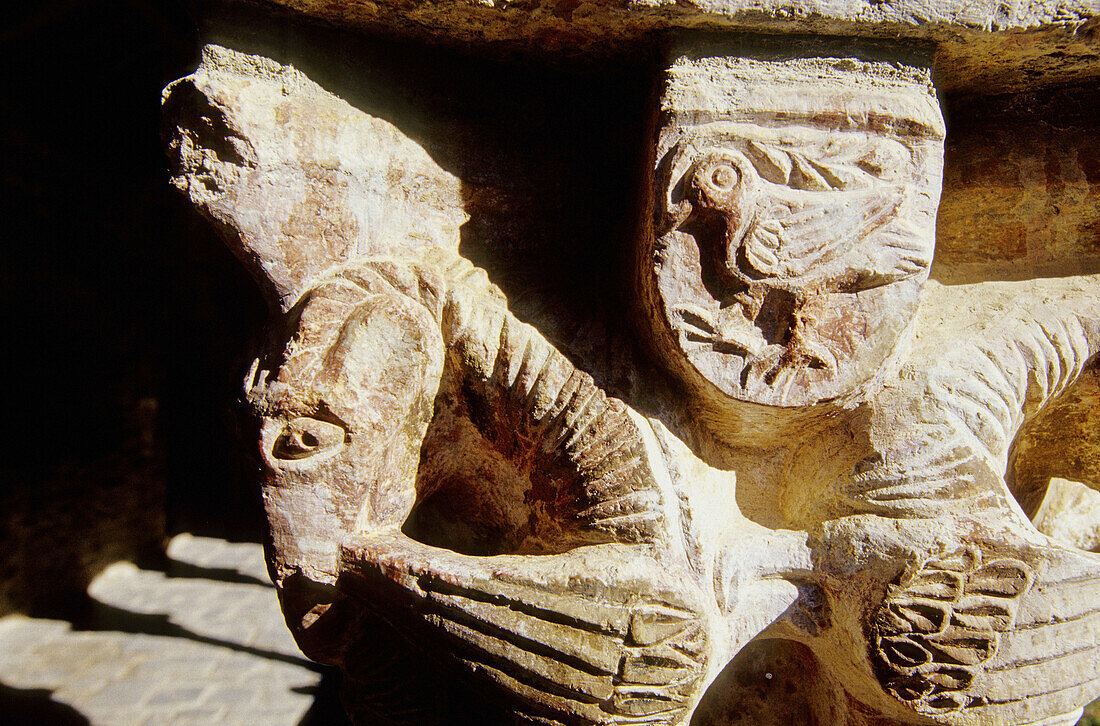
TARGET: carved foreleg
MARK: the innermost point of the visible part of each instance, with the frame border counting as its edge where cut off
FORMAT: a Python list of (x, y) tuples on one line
[(943, 432), (606, 634), (991, 622)]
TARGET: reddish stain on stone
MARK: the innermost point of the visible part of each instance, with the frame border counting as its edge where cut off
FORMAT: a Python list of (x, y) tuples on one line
[(1008, 241)]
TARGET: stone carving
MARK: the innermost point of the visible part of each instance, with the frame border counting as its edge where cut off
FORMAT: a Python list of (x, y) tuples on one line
[(477, 479), (455, 506), (941, 623), (792, 239)]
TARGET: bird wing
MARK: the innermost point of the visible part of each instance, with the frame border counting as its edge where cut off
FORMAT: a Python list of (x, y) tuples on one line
[(799, 230), (1002, 638)]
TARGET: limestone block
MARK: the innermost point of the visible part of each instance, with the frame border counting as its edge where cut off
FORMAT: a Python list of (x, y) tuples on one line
[(827, 486), (981, 45)]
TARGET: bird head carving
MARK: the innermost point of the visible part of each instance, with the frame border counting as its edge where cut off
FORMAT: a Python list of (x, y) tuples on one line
[(723, 187), (791, 238)]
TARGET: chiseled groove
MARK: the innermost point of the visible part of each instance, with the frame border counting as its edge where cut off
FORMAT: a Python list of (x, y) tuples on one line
[(614, 432), (1045, 659), (687, 668), (565, 424), (966, 410), (691, 656), (615, 481), (985, 702), (1093, 577), (930, 489), (528, 679), (531, 399), (519, 394), (539, 404), (1031, 625), (520, 347), (935, 455), (1068, 363), (499, 377), (931, 473), (471, 647), (988, 400), (494, 377), (962, 426), (560, 402), (628, 499), (552, 616), (613, 470), (455, 614), (643, 690), (1015, 391), (640, 518), (1036, 347), (902, 510), (584, 421), (898, 488), (888, 487)]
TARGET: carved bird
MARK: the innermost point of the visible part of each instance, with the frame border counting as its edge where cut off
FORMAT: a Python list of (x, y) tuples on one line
[(803, 226)]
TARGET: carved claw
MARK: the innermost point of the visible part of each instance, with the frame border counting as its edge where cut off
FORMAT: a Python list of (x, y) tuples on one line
[(724, 334), (598, 635)]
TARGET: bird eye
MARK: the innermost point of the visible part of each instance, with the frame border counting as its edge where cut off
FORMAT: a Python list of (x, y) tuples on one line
[(723, 176), (717, 179), (304, 437)]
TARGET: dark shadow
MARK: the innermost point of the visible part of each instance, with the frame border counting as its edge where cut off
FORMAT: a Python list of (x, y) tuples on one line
[(178, 569), (132, 317), (772, 681), (326, 709), (97, 616), (35, 707)]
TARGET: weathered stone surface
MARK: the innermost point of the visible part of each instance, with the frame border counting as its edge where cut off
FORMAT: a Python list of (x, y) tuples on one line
[(794, 221), (477, 531), (981, 45), (300, 178)]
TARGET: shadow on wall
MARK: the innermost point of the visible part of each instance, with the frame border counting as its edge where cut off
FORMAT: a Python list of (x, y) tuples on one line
[(549, 155), (126, 319), (35, 706)]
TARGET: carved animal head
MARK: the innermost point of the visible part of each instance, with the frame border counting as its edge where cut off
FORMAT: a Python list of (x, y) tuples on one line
[(451, 459)]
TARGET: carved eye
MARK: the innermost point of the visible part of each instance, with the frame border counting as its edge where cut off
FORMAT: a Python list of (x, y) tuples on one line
[(717, 179), (722, 176), (304, 437)]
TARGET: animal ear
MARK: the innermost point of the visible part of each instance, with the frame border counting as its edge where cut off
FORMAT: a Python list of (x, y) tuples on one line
[(296, 179)]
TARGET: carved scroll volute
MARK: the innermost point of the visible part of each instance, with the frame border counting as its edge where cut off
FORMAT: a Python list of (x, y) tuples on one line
[(793, 223)]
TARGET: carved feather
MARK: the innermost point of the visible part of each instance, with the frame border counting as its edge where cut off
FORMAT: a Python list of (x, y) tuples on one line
[(798, 231), (569, 647)]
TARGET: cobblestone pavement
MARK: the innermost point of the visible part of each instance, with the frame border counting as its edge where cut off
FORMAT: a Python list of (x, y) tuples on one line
[(202, 643)]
